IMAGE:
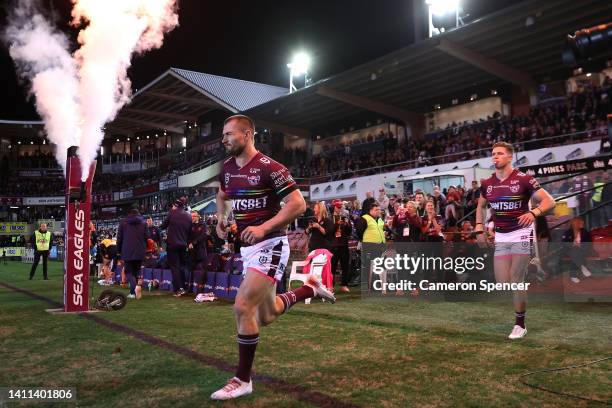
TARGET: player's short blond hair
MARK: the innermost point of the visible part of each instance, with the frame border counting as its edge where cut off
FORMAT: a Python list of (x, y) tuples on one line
[(509, 148), (243, 120)]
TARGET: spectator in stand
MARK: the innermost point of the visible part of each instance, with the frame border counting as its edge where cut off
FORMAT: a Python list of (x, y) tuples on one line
[(178, 223), (583, 111), (383, 201), (132, 242), (421, 202), (341, 231), (431, 227), (356, 212), (471, 199), (320, 228), (438, 200), (577, 235), (467, 232), (415, 222), (453, 202)]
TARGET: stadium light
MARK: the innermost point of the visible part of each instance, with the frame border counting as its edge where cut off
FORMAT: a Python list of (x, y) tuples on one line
[(443, 15), (442, 7), (298, 66)]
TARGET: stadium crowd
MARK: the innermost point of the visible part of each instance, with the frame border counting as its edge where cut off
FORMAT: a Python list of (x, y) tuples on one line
[(582, 115)]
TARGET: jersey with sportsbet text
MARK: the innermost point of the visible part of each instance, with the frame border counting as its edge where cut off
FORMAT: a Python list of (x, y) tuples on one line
[(509, 199), (256, 190)]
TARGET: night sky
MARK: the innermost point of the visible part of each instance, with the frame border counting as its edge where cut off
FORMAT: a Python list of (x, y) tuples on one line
[(254, 39)]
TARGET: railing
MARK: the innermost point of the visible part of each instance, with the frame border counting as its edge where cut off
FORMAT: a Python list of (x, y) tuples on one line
[(208, 162), (210, 197), (442, 159)]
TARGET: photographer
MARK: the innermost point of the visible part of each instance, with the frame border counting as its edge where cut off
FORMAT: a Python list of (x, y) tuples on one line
[(342, 230), (320, 228)]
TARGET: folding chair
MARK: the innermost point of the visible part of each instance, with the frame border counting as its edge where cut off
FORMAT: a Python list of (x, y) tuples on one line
[(316, 268)]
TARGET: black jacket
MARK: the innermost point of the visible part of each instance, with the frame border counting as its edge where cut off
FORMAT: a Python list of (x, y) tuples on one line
[(345, 231), (197, 237), (132, 238), (319, 240), (178, 223)]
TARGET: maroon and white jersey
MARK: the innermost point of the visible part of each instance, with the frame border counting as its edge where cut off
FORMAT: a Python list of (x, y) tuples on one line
[(256, 190), (509, 199)]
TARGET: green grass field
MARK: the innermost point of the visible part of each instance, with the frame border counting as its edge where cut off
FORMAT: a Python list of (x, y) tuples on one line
[(357, 352)]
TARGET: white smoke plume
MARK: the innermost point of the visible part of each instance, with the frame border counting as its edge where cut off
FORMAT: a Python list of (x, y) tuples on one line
[(41, 55), (112, 31)]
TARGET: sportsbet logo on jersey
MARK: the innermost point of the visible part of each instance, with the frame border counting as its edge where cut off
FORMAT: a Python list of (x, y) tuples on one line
[(249, 203)]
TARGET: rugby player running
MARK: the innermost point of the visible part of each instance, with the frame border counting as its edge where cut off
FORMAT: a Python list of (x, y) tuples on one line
[(253, 185), (508, 191)]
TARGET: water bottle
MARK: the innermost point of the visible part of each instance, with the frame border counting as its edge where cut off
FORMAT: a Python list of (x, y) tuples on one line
[(150, 284)]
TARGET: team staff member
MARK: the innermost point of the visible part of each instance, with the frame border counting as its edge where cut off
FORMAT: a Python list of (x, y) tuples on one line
[(509, 191), (41, 240), (253, 185), (178, 222), (132, 242), (197, 243), (371, 226)]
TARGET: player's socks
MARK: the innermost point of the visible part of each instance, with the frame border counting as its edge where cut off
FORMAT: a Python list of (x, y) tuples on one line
[(291, 298), (519, 319), (247, 343)]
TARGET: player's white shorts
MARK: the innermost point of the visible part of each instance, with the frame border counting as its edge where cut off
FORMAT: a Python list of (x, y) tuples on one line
[(269, 257), (514, 243)]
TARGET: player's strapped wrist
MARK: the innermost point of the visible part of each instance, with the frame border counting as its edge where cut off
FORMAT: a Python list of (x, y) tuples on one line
[(534, 214)]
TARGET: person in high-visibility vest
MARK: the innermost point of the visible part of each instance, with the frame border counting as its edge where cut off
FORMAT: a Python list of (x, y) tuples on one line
[(371, 226), (41, 240), (599, 214)]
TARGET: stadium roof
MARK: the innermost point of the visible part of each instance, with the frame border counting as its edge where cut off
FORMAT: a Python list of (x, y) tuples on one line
[(21, 129), (499, 49), (180, 96)]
